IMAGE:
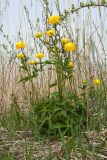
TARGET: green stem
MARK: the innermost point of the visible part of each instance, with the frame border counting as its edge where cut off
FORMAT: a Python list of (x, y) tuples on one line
[(73, 10), (41, 74)]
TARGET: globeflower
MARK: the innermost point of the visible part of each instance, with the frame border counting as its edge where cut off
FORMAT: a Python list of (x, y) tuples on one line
[(32, 62), (50, 33), (64, 40), (70, 64), (20, 56), (54, 20), (40, 55), (20, 45), (69, 47), (96, 82), (38, 35)]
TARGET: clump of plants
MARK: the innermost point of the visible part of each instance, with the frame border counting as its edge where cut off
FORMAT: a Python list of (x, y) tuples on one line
[(68, 107), (65, 110)]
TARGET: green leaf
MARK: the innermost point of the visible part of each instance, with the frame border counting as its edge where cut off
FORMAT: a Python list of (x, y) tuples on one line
[(48, 62), (64, 114), (59, 125), (103, 2), (81, 4), (25, 79), (56, 110), (53, 84), (23, 67)]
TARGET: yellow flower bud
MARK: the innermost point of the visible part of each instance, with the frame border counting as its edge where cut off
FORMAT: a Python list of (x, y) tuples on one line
[(50, 33), (20, 45), (70, 64), (54, 20), (96, 82), (40, 55), (64, 40), (69, 47), (84, 82), (38, 35), (32, 62), (20, 56), (46, 41)]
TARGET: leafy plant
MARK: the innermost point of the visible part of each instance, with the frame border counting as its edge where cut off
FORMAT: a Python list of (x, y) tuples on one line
[(52, 115)]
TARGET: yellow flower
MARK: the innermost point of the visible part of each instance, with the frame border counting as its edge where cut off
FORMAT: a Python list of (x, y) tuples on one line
[(38, 35), (69, 46), (64, 40), (96, 82), (32, 62), (20, 56), (70, 64), (50, 32), (20, 45), (40, 55), (54, 20)]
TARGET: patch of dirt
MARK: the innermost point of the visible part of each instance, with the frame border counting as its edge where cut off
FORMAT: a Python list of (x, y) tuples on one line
[(22, 145)]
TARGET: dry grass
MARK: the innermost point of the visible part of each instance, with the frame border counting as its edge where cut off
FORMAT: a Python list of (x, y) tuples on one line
[(89, 29)]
